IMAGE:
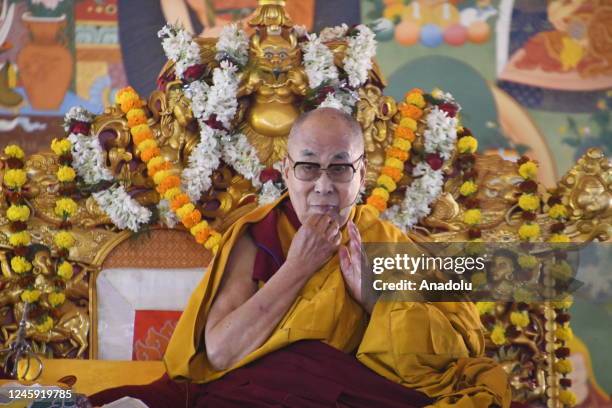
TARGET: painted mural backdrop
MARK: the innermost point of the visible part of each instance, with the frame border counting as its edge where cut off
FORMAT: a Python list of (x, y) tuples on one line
[(534, 76)]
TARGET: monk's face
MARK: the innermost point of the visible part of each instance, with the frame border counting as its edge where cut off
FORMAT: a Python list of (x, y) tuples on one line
[(324, 140)]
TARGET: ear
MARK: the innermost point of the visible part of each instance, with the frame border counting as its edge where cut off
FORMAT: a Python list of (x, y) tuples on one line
[(362, 172), (285, 170)]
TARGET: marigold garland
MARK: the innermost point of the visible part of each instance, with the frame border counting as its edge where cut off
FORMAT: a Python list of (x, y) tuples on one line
[(163, 172)]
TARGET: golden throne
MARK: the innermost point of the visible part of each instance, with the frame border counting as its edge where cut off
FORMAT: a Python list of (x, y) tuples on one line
[(272, 88)]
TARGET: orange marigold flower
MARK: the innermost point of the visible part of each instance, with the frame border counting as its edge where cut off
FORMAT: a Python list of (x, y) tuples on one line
[(130, 101), (149, 154), (404, 133), (140, 133), (168, 183), (377, 202), (410, 111), (160, 167), (395, 174), (397, 153), (414, 90), (179, 201), (191, 219), (202, 236), (136, 117)]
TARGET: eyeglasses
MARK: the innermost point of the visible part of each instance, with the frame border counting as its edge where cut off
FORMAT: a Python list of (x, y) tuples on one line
[(337, 172)]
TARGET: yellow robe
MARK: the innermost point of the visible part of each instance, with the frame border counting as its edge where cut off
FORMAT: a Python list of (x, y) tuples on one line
[(435, 348)]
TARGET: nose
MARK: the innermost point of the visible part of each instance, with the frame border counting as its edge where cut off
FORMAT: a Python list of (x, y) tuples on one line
[(324, 185)]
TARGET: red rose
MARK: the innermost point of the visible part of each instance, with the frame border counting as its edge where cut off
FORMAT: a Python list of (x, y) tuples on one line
[(79, 127), (434, 161), (449, 108), (270, 174), (194, 72), (214, 123)]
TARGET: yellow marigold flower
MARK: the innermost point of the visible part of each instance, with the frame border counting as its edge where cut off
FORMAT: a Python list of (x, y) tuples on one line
[(65, 174), (564, 366), (377, 202), (565, 303), (559, 239), (386, 182), (140, 133), (409, 123), (472, 217), (213, 241), (498, 335), (20, 265), (381, 192), (30, 296), (15, 178), (416, 99), (64, 239), (123, 92), (519, 319), (475, 247), (561, 270), (61, 146), (485, 307), (437, 93), (65, 207), (18, 213), (154, 162), (14, 151), (22, 238), (147, 144), (45, 326), (468, 188), (136, 117), (529, 202), (522, 295), (202, 225), (567, 398), (129, 101), (557, 211), (161, 175), (402, 144), (479, 279), (529, 231), (184, 210), (528, 170), (56, 298), (527, 261), (171, 193), (395, 163), (564, 333), (467, 144), (65, 270)]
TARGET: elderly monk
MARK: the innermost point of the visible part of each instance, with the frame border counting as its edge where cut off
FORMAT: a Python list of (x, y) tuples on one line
[(280, 320)]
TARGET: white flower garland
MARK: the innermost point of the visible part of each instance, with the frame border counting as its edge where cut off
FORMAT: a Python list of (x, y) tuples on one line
[(203, 161), (123, 210), (233, 43), (88, 159), (179, 47), (439, 138), (79, 114), (238, 151), (320, 68)]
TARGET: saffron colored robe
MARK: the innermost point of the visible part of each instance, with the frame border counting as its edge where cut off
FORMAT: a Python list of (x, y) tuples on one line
[(434, 348)]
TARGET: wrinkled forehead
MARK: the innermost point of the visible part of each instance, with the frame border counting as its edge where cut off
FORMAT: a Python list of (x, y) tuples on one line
[(325, 141)]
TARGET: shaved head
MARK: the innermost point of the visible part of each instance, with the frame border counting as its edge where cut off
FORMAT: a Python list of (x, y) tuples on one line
[(320, 138), (329, 118)]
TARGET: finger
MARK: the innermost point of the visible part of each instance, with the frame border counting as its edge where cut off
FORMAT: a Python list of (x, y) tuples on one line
[(337, 239), (345, 261), (332, 229), (355, 232), (323, 222)]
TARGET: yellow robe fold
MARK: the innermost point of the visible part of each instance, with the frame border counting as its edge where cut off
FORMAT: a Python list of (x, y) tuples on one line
[(435, 348)]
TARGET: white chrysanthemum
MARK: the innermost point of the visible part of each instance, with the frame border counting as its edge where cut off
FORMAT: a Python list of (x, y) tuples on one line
[(204, 159), (239, 154), (233, 43), (269, 193), (123, 210), (318, 62), (333, 33), (88, 159), (166, 215), (179, 47), (197, 93), (222, 100), (79, 114), (441, 133), (358, 59), (339, 100)]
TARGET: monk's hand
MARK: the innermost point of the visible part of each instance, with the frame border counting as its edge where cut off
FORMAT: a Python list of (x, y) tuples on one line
[(350, 264), (314, 243)]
